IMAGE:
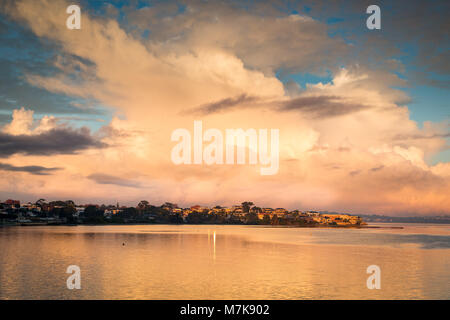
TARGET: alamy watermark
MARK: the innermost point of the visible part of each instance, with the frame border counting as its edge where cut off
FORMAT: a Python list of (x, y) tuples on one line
[(374, 280), (374, 20), (222, 151), (74, 280), (74, 20)]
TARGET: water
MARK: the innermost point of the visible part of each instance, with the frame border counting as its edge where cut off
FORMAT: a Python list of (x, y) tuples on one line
[(224, 262)]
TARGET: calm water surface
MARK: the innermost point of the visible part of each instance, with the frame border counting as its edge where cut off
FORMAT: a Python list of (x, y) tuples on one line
[(224, 262)]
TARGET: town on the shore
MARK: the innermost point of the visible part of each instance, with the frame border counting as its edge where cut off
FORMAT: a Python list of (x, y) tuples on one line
[(13, 212)]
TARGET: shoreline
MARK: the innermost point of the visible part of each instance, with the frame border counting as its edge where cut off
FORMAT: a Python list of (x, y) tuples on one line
[(37, 224)]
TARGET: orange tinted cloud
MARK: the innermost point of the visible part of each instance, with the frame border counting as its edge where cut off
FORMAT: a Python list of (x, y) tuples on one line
[(348, 145)]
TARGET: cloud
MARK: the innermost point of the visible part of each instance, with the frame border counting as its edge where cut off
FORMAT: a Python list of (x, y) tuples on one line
[(421, 37), (21, 122), (109, 179), (377, 168), (55, 141), (222, 66), (225, 104), (261, 37), (319, 106), (354, 173), (22, 53), (36, 170), (23, 135), (422, 136), (322, 106)]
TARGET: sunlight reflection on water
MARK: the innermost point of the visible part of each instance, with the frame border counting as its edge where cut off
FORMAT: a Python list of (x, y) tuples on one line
[(224, 262)]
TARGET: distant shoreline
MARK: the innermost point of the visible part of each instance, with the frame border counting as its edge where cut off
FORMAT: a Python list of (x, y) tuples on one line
[(192, 224)]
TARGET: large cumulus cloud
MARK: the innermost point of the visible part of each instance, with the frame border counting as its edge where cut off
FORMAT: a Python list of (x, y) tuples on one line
[(348, 144)]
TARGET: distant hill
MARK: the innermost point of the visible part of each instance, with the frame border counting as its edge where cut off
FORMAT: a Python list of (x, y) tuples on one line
[(381, 218), (431, 219)]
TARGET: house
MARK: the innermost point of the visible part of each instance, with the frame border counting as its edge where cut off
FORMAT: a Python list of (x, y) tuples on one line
[(198, 208), (12, 203), (280, 212)]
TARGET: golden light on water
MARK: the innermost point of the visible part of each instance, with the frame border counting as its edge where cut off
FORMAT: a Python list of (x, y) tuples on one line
[(214, 245), (160, 262)]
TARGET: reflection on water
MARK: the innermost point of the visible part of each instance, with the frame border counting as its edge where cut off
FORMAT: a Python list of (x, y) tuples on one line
[(224, 262)]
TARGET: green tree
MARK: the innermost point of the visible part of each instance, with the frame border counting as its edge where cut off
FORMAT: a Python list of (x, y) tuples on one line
[(169, 205), (251, 218), (40, 202), (275, 220), (129, 212), (90, 211), (70, 203), (144, 204), (246, 206), (256, 209), (266, 219)]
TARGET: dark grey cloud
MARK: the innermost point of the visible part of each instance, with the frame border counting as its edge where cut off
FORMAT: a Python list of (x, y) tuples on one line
[(56, 141), (321, 106), (108, 179), (354, 173), (377, 168), (314, 107), (36, 170), (225, 104)]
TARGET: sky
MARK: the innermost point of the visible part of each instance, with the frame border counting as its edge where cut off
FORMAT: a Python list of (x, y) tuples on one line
[(363, 115)]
